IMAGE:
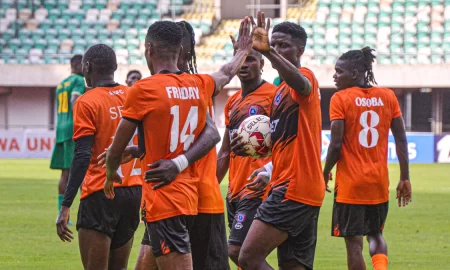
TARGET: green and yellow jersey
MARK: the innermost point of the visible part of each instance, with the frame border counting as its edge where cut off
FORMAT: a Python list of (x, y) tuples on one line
[(74, 84)]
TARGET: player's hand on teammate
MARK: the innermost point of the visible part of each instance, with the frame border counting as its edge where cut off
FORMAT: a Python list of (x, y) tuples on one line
[(162, 172), (127, 156), (260, 34), (244, 41), (327, 179), (108, 187), (404, 193), (63, 231), (261, 181), (237, 146)]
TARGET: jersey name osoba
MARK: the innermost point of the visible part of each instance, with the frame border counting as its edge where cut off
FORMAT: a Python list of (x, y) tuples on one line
[(369, 102)]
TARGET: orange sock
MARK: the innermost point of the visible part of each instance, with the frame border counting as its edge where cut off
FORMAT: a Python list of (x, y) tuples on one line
[(380, 262), (239, 268)]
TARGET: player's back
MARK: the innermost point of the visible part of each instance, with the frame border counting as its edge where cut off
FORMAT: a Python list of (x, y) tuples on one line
[(171, 111), (98, 113), (74, 84), (367, 113)]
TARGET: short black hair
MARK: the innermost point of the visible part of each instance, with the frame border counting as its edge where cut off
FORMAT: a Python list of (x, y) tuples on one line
[(361, 60), (165, 34), (102, 58), (76, 59), (134, 71), (189, 38), (297, 32)]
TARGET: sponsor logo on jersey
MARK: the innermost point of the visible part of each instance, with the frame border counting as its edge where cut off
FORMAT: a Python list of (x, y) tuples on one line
[(278, 98), (240, 217), (238, 226)]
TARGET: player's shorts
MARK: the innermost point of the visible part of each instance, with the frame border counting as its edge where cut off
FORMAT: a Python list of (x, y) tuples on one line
[(298, 220), (240, 217), (62, 155), (170, 235), (117, 218), (209, 242), (146, 238), (358, 219)]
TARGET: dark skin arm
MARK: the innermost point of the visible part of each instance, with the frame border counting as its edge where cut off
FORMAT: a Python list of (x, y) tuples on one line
[(290, 73), (404, 193), (334, 150), (124, 133), (243, 48), (164, 171), (223, 158)]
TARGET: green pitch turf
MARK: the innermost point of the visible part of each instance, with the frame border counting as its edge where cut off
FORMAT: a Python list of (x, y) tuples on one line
[(417, 236)]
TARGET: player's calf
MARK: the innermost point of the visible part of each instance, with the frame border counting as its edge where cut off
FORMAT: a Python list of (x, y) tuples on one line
[(354, 245), (378, 251)]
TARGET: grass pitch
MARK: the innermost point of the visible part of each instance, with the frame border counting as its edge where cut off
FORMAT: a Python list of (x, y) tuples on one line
[(417, 236)]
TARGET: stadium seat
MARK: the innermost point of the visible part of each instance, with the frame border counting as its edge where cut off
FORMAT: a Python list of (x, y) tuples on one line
[(92, 42), (126, 24), (64, 34), (117, 34), (37, 34), (145, 14), (78, 34), (108, 42), (131, 14), (132, 44), (85, 25), (119, 43), (104, 34), (99, 25), (78, 15), (73, 24), (90, 34), (60, 24)]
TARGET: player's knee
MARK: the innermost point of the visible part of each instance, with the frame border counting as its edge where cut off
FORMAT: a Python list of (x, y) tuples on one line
[(247, 261), (233, 252)]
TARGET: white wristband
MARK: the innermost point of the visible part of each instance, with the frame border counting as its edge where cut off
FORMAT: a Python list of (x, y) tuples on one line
[(269, 168), (181, 162), (264, 174)]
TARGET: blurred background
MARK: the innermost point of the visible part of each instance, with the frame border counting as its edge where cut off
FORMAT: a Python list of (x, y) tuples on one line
[(38, 37)]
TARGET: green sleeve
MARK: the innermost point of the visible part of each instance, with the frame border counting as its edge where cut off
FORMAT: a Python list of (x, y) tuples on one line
[(78, 86)]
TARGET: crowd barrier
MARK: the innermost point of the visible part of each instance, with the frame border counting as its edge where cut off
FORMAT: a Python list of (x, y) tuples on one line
[(422, 147)]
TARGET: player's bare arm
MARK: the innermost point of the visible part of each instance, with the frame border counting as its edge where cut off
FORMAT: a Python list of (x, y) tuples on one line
[(334, 150), (124, 133), (261, 176), (289, 72), (130, 153), (404, 193), (165, 171), (243, 48), (223, 157), (79, 167)]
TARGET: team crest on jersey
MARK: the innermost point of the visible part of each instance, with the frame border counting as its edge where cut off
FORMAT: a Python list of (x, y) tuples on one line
[(240, 217), (253, 110), (278, 98)]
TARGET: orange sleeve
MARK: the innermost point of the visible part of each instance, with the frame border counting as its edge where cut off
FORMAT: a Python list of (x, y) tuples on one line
[(337, 111), (314, 88), (136, 104), (208, 84), (396, 112), (83, 120)]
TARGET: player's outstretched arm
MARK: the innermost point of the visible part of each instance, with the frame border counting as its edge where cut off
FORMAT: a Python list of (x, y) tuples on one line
[(123, 135), (78, 169), (334, 150), (243, 47), (290, 74), (404, 193), (165, 171), (223, 158)]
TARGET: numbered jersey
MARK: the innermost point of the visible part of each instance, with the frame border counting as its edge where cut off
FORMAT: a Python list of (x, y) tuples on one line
[(171, 112), (362, 173), (236, 110), (97, 113), (74, 84)]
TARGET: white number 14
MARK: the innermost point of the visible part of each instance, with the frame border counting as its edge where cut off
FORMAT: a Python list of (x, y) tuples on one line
[(191, 123)]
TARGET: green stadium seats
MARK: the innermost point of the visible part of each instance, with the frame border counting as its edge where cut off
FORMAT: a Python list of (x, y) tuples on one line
[(4, 4), (50, 34), (100, 4), (90, 34), (14, 44), (87, 4), (86, 25), (145, 14), (117, 34), (40, 44), (73, 24), (60, 24), (77, 34), (99, 25), (78, 50), (64, 34), (24, 33), (132, 44), (118, 14), (78, 15), (131, 34), (27, 44), (45, 24), (131, 14), (53, 44), (37, 34), (66, 14), (104, 34), (54, 14), (119, 43), (142, 34), (108, 42), (138, 4), (126, 24), (92, 42)]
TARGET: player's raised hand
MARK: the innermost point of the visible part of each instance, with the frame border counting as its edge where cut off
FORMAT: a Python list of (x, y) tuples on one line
[(162, 172), (404, 193), (237, 146), (63, 231), (244, 41), (261, 181), (260, 34)]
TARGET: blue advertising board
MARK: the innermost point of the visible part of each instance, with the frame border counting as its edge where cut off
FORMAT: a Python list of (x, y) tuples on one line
[(421, 147)]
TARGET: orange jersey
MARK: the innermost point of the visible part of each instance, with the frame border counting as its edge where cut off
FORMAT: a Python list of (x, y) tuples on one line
[(362, 172), (171, 113), (210, 199), (98, 113), (237, 109), (297, 142)]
